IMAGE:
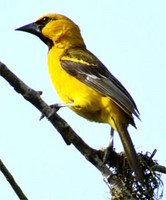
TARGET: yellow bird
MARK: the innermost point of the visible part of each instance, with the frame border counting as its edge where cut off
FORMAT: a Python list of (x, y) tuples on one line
[(83, 83)]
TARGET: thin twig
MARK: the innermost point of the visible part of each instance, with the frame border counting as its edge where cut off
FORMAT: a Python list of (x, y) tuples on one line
[(12, 182), (159, 168)]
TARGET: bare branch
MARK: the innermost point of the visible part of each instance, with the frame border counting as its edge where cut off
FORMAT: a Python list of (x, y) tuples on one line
[(159, 168), (12, 182), (65, 130)]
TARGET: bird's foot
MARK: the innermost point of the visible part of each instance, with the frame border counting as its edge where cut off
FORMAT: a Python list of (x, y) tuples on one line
[(55, 108), (107, 153)]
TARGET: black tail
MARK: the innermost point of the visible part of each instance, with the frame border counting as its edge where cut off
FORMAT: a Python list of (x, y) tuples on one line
[(130, 152)]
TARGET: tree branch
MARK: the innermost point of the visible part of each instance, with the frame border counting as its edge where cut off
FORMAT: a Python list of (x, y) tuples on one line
[(65, 130), (12, 182), (159, 168)]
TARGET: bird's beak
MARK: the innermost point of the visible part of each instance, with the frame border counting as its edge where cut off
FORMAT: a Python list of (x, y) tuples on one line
[(31, 28), (36, 29)]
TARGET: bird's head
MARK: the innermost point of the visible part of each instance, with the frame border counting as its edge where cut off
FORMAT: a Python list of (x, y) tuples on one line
[(57, 30)]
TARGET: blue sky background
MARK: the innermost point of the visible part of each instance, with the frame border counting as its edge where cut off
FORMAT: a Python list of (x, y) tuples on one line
[(129, 37)]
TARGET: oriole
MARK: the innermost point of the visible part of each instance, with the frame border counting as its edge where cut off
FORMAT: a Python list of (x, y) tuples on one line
[(83, 82)]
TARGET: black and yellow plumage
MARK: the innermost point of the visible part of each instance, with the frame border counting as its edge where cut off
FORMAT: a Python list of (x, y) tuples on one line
[(83, 82)]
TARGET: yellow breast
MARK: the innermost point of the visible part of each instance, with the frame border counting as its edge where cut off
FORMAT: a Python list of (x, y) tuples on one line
[(88, 103)]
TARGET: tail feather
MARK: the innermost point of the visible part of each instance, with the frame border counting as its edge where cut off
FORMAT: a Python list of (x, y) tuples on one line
[(130, 152)]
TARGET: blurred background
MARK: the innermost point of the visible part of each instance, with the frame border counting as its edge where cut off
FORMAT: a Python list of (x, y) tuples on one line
[(129, 37)]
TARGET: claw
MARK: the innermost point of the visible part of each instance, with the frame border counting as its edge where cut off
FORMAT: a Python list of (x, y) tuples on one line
[(107, 154), (109, 149), (55, 108)]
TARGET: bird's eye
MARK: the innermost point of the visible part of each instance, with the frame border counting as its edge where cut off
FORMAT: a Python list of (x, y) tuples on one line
[(45, 20)]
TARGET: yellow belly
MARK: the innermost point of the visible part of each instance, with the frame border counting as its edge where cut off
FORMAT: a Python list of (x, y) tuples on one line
[(87, 102)]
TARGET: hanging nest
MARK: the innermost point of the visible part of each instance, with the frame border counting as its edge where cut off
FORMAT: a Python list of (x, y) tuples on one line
[(153, 186)]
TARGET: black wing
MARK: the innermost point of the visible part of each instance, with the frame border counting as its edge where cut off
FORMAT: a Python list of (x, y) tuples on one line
[(84, 66)]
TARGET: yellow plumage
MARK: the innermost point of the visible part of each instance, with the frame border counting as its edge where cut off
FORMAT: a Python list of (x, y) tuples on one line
[(81, 79)]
